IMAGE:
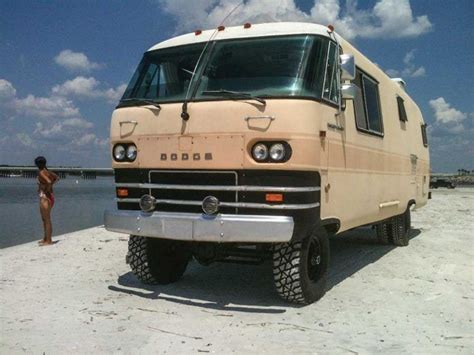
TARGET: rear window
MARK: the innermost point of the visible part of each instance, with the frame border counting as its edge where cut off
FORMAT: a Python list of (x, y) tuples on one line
[(424, 136), (402, 114)]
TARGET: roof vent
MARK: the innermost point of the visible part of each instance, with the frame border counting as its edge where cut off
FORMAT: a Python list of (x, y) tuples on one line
[(400, 82)]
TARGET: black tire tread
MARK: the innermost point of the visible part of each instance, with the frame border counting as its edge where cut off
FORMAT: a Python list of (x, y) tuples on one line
[(290, 269), (155, 261), (286, 265), (399, 231), (139, 260)]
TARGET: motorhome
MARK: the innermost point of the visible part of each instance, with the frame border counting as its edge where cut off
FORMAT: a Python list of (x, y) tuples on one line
[(257, 142)]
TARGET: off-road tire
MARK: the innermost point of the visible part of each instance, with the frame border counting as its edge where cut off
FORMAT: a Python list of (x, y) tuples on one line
[(383, 232), (408, 220), (157, 261), (399, 230), (300, 270), (395, 230)]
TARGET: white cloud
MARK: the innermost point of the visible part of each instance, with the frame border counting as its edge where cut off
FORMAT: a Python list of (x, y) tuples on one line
[(53, 125), (114, 94), (88, 139), (447, 118), (387, 19), (25, 139), (7, 90), (53, 106), (49, 131), (89, 88), (444, 113), (410, 70), (77, 122), (75, 61), (79, 86)]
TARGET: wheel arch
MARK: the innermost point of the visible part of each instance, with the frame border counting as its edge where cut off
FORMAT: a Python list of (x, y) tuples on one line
[(331, 225)]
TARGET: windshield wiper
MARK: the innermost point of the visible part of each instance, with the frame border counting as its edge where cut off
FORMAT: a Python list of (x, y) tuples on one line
[(145, 101), (234, 94)]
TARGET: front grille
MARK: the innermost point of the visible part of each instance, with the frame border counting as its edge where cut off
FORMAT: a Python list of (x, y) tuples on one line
[(239, 192), (192, 178)]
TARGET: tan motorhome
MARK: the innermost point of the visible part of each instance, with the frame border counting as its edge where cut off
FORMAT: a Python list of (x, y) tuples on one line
[(256, 142)]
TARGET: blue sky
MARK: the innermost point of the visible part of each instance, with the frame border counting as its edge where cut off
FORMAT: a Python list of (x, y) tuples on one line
[(64, 64)]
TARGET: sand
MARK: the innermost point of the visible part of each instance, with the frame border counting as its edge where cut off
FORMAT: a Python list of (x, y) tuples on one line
[(79, 296)]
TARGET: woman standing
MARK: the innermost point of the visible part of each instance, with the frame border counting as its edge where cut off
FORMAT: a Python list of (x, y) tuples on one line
[(46, 179)]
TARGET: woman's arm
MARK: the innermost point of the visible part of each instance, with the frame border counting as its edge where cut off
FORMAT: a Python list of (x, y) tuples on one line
[(46, 183), (44, 178), (53, 177)]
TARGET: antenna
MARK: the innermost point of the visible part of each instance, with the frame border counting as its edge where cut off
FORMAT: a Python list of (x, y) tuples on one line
[(184, 114)]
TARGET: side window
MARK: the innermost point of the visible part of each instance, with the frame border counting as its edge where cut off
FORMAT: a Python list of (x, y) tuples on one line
[(359, 106), (424, 136), (402, 114), (367, 104), (330, 91)]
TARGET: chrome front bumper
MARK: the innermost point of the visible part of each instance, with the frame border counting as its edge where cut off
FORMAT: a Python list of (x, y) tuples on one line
[(198, 227)]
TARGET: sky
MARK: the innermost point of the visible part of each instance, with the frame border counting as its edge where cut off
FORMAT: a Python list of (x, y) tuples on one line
[(65, 64)]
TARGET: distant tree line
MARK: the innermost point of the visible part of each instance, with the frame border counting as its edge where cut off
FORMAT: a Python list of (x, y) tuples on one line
[(464, 172)]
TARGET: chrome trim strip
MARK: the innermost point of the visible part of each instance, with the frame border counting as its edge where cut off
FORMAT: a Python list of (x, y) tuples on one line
[(199, 227), (201, 172), (219, 187), (228, 204)]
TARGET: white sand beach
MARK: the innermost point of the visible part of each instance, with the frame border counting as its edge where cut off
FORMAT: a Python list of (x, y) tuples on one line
[(79, 296)]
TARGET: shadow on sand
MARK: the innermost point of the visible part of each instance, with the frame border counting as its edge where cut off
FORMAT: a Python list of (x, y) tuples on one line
[(249, 288)]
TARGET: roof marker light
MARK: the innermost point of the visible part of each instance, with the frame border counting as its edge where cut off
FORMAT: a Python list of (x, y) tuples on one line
[(197, 32), (221, 28), (247, 25), (330, 28)]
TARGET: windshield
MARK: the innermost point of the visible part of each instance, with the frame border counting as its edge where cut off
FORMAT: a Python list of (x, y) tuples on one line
[(265, 67), (164, 75)]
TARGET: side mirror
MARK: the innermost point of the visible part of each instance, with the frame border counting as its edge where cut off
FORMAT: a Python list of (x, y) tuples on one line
[(348, 91), (348, 69)]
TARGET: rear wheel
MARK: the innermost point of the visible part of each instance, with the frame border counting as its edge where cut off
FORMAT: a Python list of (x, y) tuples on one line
[(400, 229), (157, 261), (300, 268), (395, 230)]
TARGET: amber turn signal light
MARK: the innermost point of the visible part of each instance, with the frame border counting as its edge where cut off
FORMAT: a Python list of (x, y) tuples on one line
[(274, 197), (122, 192)]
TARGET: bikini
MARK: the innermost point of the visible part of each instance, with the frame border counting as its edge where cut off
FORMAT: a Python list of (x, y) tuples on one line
[(49, 196)]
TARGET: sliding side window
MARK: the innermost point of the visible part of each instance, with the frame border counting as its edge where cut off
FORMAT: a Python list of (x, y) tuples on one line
[(402, 113), (367, 104)]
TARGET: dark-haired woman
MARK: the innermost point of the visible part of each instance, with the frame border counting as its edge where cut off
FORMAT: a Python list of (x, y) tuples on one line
[(46, 179)]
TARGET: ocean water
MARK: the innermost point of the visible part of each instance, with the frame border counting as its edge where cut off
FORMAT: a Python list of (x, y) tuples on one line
[(79, 204)]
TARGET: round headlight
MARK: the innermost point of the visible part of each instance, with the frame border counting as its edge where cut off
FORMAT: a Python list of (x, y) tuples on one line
[(260, 152), (131, 152), (277, 152), (119, 152), (147, 203)]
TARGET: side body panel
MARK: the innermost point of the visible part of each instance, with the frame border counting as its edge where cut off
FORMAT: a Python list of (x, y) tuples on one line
[(371, 178)]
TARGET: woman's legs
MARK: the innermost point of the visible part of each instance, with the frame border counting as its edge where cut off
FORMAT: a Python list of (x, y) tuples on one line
[(45, 210)]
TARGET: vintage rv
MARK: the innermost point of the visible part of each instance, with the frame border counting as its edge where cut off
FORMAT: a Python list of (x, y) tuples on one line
[(257, 142)]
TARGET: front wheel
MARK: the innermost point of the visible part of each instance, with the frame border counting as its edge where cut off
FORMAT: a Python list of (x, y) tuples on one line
[(300, 268), (157, 261)]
